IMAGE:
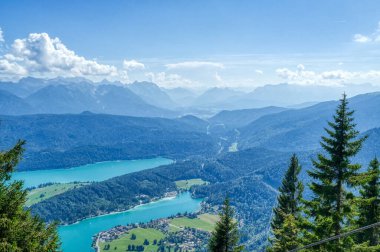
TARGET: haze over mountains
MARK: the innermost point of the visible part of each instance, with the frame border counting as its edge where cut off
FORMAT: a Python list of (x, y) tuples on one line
[(145, 99), (271, 128), (210, 115)]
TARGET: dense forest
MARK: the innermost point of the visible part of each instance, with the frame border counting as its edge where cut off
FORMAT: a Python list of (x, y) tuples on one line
[(62, 141)]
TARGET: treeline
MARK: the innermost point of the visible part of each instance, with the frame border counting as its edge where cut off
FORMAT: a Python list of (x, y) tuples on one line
[(334, 207)]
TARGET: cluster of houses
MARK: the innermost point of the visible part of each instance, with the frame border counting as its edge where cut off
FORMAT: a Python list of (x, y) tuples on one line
[(185, 239), (188, 239)]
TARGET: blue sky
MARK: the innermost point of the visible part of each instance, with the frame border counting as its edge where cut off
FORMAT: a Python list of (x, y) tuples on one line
[(195, 43)]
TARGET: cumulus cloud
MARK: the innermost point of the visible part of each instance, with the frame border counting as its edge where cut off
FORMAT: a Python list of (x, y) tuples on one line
[(333, 77), (43, 56), (11, 69), (194, 64), (361, 38), (374, 37), (132, 64), (300, 76), (169, 80)]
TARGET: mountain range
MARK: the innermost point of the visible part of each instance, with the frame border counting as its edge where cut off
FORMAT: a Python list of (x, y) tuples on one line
[(271, 128), (281, 95), (57, 97), (146, 99)]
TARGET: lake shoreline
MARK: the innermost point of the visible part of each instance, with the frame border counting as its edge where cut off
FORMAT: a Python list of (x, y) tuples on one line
[(90, 172), (80, 237), (96, 162), (154, 200)]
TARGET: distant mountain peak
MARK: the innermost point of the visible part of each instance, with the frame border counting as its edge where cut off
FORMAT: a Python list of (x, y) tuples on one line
[(152, 94)]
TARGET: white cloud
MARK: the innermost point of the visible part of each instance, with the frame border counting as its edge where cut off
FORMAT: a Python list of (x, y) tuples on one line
[(42, 56), (1, 36), (333, 77), (132, 64), (169, 80), (374, 37), (258, 71), (10, 69), (194, 64), (361, 38), (300, 76)]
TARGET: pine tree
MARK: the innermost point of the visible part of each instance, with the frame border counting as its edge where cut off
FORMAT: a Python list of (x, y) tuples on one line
[(287, 235), (225, 237), (288, 208), (19, 231), (330, 207), (369, 205)]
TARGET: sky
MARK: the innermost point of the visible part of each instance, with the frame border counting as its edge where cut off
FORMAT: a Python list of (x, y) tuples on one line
[(195, 44)]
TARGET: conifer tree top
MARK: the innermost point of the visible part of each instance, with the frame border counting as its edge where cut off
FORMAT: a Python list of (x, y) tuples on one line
[(333, 172)]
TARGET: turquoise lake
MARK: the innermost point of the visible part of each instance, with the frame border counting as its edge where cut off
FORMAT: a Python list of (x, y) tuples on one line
[(77, 237), (91, 172)]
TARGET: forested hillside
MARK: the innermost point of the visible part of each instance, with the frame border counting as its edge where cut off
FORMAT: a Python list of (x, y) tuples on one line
[(239, 118), (59, 141), (304, 126)]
